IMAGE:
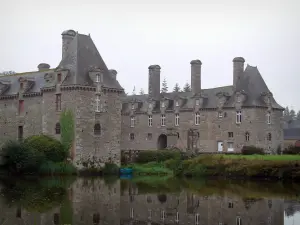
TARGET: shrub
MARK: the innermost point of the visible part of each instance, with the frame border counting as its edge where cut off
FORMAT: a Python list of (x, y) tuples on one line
[(110, 169), (292, 150), (21, 158), (252, 150), (51, 168), (52, 148), (157, 155)]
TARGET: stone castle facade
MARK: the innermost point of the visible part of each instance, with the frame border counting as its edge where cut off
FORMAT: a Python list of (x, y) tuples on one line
[(106, 120)]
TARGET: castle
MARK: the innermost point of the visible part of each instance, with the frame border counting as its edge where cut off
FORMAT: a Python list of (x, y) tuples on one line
[(106, 120)]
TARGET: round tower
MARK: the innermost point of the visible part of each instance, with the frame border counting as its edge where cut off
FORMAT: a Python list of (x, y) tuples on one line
[(67, 37)]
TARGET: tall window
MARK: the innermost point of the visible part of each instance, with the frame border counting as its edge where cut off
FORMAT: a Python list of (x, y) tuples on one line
[(163, 215), (57, 128), (176, 119), (21, 106), (131, 136), (197, 118), (59, 77), (149, 214), (238, 221), (132, 121), (177, 103), (97, 77), (97, 129), (21, 86), (247, 136), (197, 102), (238, 117), (132, 106), (131, 213), (58, 102), (162, 104), (96, 218), (269, 137), (163, 120), (177, 217), (98, 103), (56, 219), (150, 121), (197, 218), (269, 118)]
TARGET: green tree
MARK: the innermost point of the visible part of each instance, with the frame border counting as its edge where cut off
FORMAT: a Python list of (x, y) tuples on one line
[(298, 115), (142, 91), (286, 114), (176, 88), (164, 88), (133, 91), (187, 87), (292, 114)]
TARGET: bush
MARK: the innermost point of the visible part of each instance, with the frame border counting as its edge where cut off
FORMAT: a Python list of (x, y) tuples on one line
[(292, 150), (52, 148), (51, 168), (252, 150), (110, 169), (157, 155), (21, 158)]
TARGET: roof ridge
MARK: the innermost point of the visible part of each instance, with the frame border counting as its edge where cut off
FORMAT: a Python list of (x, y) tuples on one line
[(25, 73)]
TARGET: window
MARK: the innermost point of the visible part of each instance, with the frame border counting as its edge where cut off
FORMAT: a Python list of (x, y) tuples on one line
[(177, 103), (270, 204), (220, 115), (96, 218), (269, 118), (149, 136), (131, 213), (230, 205), (150, 120), (178, 135), (149, 214), (21, 106), (58, 102), (21, 86), (176, 119), (163, 215), (238, 221), (20, 133), (197, 218), (56, 218), (238, 117), (230, 134), (177, 217), (57, 128), (59, 77), (163, 120), (132, 106), (19, 212), (98, 103), (163, 104), (132, 121), (197, 118), (131, 198), (97, 77), (269, 137), (97, 129), (225, 114), (197, 102), (149, 199), (131, 136), (230, 147), (247, 136)]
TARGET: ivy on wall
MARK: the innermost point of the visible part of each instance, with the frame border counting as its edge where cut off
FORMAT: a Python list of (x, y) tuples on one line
[(67, 128)]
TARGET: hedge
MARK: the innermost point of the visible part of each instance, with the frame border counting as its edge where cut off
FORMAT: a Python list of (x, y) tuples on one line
[(157, 155)]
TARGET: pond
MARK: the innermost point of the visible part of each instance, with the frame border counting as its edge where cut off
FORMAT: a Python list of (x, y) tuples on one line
[(147, 200)]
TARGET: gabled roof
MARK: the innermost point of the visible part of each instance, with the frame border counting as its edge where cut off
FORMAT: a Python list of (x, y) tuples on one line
[(81, 57)]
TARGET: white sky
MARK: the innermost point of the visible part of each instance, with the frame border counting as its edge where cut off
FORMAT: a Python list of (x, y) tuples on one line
[(133, 35)]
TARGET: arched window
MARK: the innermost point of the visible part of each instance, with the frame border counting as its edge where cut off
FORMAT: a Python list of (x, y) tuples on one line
[(97, 129), (247, 136), (57, 128), (269, 137)]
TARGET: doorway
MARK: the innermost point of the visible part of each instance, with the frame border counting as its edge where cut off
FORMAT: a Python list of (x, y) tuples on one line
[(162, 142), (220, 146)]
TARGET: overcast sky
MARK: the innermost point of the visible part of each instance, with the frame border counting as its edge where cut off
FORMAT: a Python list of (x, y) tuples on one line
[(133, 35)]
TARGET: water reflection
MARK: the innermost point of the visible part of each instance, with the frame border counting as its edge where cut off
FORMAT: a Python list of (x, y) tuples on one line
[(83, 201)]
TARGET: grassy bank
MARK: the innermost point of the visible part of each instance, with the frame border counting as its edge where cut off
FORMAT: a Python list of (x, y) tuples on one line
[(277, 167), (150, 169)]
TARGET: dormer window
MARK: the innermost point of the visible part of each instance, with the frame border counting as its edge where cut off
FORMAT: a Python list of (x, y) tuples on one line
[(238, 117), (177, 103), (269, 118), (59, 78), (163, 104), (197, 102), (220, 115), (150, 106), (132, 121), (97, 77), (132, 106), (21, 86)]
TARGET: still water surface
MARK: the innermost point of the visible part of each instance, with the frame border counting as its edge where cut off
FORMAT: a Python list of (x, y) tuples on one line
[(149, 201)]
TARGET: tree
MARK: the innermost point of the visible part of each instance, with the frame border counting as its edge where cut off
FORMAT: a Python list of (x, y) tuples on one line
[(164, 88), (286, 114), (142, 91), (176, 88), (292, 114), (187, 87), (133, 91), (298, 116)]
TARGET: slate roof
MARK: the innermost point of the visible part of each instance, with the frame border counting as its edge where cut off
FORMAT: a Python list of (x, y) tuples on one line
[(251, 83), (291, 134), (81, 57)]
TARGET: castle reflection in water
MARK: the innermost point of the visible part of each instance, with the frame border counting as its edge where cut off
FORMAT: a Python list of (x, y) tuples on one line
[(95, 202)]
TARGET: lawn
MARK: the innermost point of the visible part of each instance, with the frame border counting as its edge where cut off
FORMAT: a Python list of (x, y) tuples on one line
[(151, 168)]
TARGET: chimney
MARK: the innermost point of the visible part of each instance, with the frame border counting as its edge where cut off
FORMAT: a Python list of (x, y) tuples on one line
[(67, 37), (154, 81), (196, 76), (238, 69), (43, 66), (113, 73)]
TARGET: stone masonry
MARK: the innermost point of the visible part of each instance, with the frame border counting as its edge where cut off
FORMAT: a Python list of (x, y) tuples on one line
[(107, 121)]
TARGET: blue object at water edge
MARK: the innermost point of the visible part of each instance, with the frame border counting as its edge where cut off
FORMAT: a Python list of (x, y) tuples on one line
[(126, 170), (125, 176)]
